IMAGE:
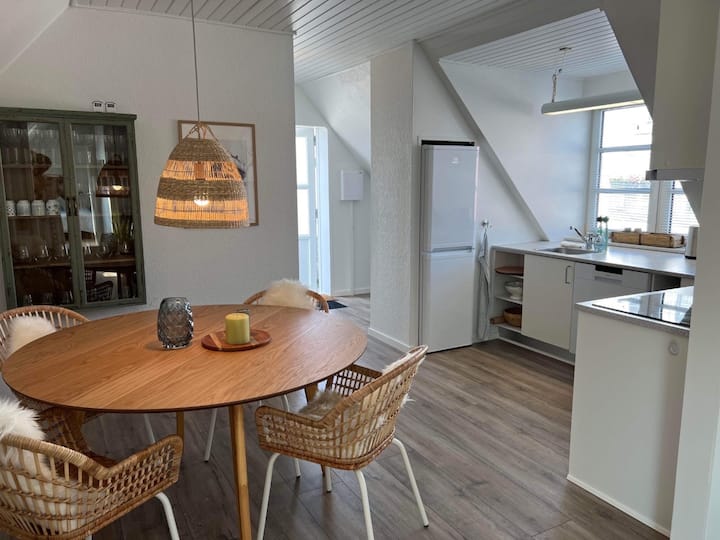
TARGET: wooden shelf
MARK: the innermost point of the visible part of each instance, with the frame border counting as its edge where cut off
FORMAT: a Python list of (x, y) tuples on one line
[(44, 264), (46, 216), (509, 327)]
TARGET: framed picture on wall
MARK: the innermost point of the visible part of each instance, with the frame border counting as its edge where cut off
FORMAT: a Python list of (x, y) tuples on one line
[(239, 141)]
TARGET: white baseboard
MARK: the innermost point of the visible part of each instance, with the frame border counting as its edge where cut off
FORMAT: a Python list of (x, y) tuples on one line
[(352, 292), (387, 340), (620, 506)]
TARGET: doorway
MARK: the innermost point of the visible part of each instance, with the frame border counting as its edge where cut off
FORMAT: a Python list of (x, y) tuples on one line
[(313, 207)]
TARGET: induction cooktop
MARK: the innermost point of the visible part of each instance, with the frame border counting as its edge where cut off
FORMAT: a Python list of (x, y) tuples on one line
[(673, 306)]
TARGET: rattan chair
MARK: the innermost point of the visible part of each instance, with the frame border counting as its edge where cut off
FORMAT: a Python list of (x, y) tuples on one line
[(61, 493), (321, 304), (351, 435), (62, 318)]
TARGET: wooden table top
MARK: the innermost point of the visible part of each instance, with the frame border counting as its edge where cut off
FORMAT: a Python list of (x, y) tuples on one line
[(118, 365)]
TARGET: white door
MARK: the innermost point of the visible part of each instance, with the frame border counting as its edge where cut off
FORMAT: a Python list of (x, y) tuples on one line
[(547, 300), (307, 176), (447, 301)]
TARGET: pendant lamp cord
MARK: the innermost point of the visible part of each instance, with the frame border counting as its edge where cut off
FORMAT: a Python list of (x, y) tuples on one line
[(197, 90), (563, 52)]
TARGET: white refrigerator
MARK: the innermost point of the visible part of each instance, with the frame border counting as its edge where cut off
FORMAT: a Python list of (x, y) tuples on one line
[(447, 246)]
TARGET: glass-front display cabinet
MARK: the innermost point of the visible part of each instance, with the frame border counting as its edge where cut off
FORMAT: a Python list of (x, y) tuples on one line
[(70, 222)]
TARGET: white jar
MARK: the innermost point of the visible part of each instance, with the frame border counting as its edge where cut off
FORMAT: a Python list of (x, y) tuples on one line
[(38, 207), (23, 207), (52, 207), (10, 208)]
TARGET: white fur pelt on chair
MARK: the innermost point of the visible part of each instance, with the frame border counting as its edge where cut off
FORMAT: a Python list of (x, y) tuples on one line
[(23, 330), (287, 292)]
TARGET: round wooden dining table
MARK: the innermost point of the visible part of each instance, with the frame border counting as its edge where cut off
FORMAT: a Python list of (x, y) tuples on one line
[(118, 365)]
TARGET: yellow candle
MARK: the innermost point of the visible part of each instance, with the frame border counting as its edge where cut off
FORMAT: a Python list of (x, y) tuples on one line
[(237, 328)]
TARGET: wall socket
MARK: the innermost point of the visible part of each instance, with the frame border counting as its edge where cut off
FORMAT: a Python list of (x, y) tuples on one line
[(97, 105), (110, 106)]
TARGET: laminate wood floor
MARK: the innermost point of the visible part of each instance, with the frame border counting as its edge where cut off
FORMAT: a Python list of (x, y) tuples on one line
[(487, 432)]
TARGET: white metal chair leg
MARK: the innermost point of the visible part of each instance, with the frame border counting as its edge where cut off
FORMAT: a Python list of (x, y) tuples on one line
[(286, 404), (149, 429), (266, 497), (169, 515), (211, 434), (328, 480), (366, 505), (413, 484)]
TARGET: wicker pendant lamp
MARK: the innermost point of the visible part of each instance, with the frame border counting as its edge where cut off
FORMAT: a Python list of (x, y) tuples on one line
[(201, 187)]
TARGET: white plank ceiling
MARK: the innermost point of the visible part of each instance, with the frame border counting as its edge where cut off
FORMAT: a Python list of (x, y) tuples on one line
[(334, 35), (594, 49)]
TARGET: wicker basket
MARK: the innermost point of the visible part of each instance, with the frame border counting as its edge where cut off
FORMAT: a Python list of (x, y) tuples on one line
[(662, 240), (625, 237), (513, 316)]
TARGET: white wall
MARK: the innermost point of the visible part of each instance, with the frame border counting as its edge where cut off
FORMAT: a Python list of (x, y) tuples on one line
[(393, 274), (343, 100), (607, 84), (23, 22), (697, 486), (349, 220), (545, 157), (144, 63)]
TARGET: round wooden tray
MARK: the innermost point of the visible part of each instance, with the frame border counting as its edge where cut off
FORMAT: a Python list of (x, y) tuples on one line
[(215, 341)]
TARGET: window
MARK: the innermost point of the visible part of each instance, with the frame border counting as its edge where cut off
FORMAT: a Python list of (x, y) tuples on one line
[(618, 189)]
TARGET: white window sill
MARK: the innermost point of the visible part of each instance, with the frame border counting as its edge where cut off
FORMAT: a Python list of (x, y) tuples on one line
[(650, 248)]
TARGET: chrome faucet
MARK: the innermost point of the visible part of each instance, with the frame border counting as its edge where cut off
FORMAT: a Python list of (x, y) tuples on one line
[(591, 239)]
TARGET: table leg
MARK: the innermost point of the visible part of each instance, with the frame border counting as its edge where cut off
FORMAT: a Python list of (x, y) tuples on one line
[(237, 430), (180, 424)]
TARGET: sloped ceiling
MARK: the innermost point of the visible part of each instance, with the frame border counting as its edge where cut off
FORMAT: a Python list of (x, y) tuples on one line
[(593, 49), (335, 35), (22, 22)]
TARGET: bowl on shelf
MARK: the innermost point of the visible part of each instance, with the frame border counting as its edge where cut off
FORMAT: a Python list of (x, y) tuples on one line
[(514, 289), (513, 316)]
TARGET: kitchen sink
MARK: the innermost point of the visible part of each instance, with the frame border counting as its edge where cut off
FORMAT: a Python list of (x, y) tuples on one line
[(568, 250)]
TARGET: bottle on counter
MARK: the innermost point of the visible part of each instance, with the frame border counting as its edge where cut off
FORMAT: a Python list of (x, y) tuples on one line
[(602, 231)]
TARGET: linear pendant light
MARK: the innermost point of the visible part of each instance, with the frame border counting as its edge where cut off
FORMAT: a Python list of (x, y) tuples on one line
[(592, 103), (200, 186)]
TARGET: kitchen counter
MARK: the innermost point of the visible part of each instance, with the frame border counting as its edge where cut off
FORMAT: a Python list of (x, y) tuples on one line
[(627, 402), (673, 306), (658, 262)]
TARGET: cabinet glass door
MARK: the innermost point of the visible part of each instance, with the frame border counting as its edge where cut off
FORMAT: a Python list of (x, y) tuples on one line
[(35, 206), (104, 210)]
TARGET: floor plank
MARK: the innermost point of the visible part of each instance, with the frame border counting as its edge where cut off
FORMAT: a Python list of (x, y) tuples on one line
[(487, 432)]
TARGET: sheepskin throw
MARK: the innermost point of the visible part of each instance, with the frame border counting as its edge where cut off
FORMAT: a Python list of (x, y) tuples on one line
[(17, 420), (25, 329), (287, 293), (321, 404)]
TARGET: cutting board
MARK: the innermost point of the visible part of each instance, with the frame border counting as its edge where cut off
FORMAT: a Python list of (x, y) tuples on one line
[(215, 341)]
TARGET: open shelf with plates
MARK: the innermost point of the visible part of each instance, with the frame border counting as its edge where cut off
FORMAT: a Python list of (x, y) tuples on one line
[(70, 222)]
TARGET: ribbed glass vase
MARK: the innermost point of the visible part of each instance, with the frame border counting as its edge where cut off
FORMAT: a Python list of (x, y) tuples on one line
[(175, 323)]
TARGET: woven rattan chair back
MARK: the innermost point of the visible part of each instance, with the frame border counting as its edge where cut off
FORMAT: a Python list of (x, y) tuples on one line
[(357, 429), (55, 492), (320, 302), (61, 317)]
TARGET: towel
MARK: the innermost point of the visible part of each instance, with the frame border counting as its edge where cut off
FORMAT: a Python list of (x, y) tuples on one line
[(572, 244)]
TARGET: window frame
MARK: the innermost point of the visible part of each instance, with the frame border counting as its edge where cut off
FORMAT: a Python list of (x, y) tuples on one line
[(660, 191)]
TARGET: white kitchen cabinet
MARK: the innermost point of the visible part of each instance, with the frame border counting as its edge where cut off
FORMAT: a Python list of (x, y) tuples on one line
[(627, 404), (547, 300)]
